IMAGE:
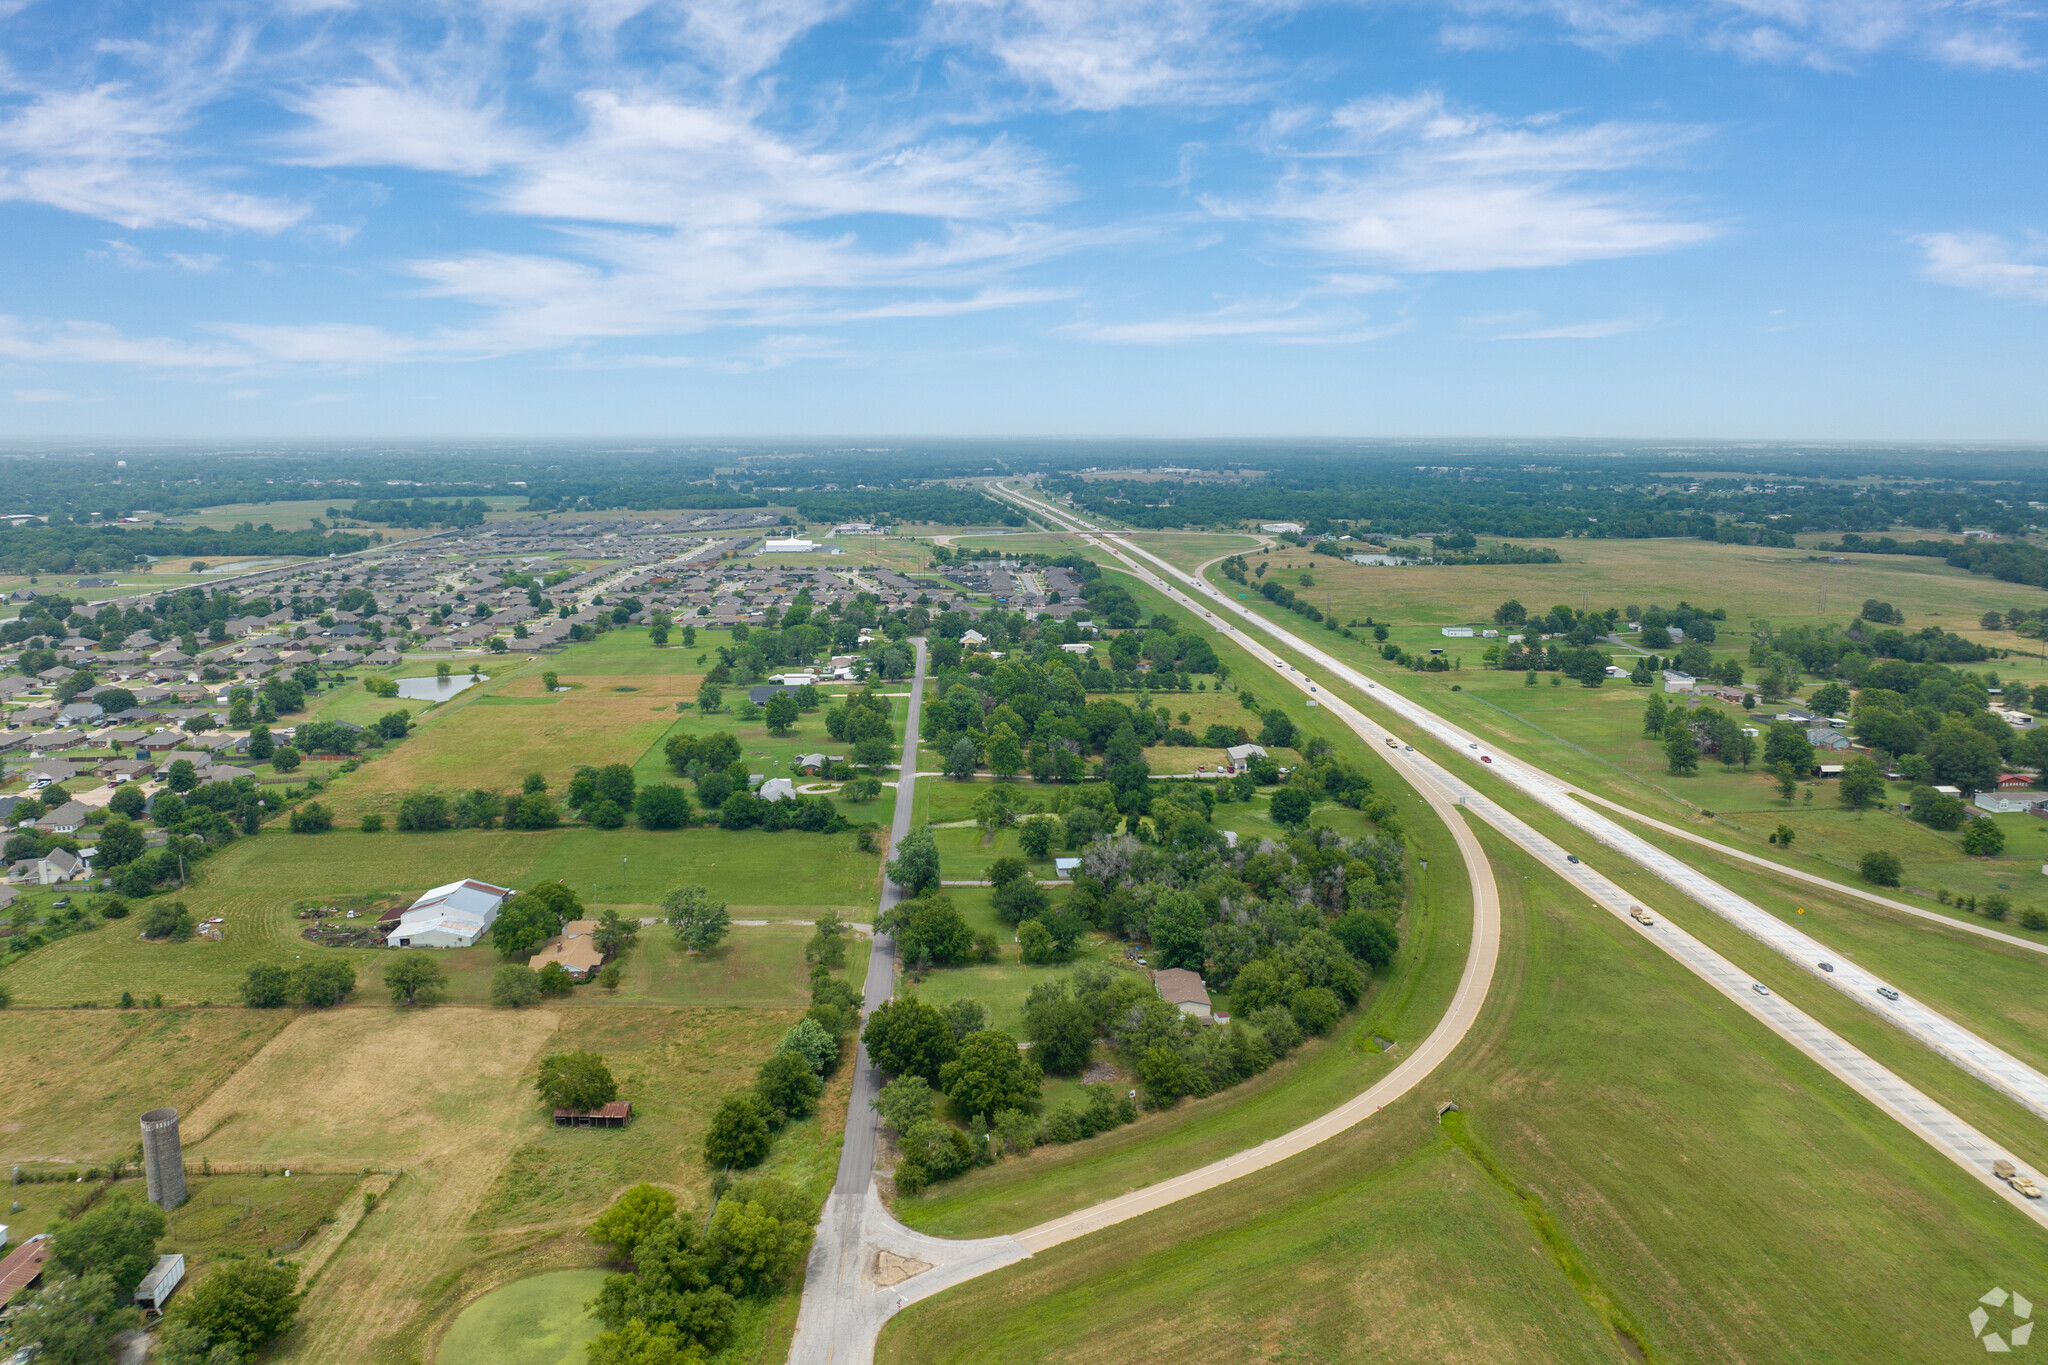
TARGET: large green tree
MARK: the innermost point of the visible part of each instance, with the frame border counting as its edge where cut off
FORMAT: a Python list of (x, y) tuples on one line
[(243, 1303), (915, 867), (907, 1037), (699, 919), (415, 979), (73, 1320), (930, 929), (534, 916), (738, 1135), (632, 1216), (576, 1080), (1862, 784), (116, 1237), (989, 1074)]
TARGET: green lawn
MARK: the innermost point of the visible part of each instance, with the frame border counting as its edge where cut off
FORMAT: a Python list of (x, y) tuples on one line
[(1700, 1175), (257, 883), (535, 1321)]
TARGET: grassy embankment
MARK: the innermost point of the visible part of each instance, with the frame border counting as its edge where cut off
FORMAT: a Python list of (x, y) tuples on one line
[(1639, 1155)]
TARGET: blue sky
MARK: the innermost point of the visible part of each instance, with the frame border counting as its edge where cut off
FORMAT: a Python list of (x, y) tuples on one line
[(1710, 218)]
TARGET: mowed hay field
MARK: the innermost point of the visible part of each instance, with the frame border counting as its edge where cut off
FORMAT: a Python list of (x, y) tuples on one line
[(78, 1082), (1782, 586), (1704, 1184), (487, 1188)]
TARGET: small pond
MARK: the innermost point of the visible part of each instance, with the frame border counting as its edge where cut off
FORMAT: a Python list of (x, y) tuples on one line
[(437, 689), (535, 1321)]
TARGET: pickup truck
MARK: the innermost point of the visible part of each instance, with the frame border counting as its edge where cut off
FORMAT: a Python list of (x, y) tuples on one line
[(1640, 915)]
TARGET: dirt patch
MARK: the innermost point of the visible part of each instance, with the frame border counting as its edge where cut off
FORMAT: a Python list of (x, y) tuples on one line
[(1102, 1073)]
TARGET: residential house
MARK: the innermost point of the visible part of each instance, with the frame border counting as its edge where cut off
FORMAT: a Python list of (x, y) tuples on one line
[(575, 948), (1675, 681), (66, 819), (1183, 990), (50, 869), (1820, 737), (2006, 802), (1243, 755)]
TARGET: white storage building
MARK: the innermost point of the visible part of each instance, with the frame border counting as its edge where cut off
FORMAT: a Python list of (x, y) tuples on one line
[(451, 916)]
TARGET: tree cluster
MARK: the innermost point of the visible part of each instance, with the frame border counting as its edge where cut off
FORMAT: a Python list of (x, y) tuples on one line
[(689, 1275)]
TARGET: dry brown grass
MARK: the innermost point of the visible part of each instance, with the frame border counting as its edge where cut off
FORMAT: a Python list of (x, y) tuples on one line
[(433, 1091), (78, 1082)]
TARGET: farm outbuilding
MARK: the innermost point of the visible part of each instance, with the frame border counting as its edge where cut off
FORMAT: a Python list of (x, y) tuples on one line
[(451, 916), (617, 1114)]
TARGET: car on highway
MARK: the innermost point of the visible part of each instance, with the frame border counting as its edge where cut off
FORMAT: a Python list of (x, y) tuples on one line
[(1887, 992), (1571, 857), (1471, 746), (1486, 758), (1410, 748), (1760, 988), (1827, 966)]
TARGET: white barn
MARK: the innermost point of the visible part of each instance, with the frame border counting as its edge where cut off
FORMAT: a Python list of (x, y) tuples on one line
[(451, 916)]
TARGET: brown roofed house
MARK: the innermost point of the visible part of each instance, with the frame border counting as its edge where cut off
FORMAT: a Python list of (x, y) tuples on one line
[(574, 948), (1184, 990)]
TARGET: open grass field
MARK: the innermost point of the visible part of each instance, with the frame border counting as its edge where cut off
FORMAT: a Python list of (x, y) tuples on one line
[(256, 884), (758, 967), (1725, 1197), (78, 1082), (496, 733), (1782, 586)]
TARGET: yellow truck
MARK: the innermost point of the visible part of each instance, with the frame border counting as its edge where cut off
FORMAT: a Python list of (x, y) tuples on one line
[(2009, 1173), (1640, 915)]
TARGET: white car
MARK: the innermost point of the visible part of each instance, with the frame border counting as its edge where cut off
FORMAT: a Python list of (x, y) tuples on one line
[(1887, 992), (1760, 988)]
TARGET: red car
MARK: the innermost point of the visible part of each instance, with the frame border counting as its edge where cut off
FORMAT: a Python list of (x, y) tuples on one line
[(1486, 758)]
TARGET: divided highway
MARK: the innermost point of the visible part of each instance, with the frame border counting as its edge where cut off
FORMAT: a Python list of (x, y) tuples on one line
[(1947, 1133)]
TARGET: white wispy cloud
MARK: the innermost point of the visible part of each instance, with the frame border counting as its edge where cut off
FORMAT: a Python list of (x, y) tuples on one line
[(109, 133), (1415, 184), (1112, 54), (1825, 34), (42, 396), (1988, 264), (1595, 329), (1306, 320)]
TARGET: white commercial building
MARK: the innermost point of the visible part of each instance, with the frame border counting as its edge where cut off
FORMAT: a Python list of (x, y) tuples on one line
[(788, 546), (1459, 632), (451, 916)]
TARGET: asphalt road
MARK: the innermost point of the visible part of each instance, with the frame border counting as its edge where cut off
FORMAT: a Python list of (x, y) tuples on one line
[(846, 1303), (1934, 1123)]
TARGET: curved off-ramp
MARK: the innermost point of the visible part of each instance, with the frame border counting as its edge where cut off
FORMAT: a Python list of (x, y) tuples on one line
[(865, 1265)]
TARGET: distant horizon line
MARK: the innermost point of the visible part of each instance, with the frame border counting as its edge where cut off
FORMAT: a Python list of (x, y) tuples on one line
[(19, 444)]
